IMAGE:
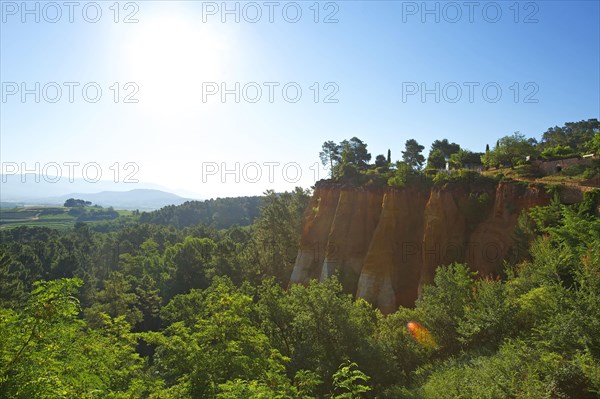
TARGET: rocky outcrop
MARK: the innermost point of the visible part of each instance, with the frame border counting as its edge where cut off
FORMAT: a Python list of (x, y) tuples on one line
[(384, 244)]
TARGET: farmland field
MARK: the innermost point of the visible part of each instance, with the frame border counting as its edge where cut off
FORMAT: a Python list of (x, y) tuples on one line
[(47, 216)]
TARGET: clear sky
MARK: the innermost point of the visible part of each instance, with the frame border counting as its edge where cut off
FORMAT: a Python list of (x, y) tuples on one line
[(488, 69)]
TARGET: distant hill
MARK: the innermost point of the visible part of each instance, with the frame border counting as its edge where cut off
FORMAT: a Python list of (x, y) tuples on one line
[(142, 199), (30, 188), (37, 190)]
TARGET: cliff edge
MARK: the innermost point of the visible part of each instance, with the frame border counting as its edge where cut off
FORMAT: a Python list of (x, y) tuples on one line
[(385, 243)]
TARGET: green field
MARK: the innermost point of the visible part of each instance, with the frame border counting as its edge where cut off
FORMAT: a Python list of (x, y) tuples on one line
[(56, 217), (47, 216)]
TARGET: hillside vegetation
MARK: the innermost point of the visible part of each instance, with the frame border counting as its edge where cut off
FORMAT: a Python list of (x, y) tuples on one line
[(171, 305)]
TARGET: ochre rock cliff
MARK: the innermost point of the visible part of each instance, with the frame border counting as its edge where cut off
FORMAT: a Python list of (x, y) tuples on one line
[(384, 244)]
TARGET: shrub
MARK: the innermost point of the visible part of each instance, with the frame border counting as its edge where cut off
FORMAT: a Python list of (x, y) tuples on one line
[(464, 176), (574, 170)]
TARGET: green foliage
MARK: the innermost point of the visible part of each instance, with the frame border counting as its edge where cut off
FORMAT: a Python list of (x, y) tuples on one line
[(593, 145), (478, 207), (509, 151), (528, 171), (330, 155), (46, 352), (488, 317), (404, 175), (575, 135), (72, 202), (381, 161), (465, 159), (412, 154), (97, 214), (443, 304), (355, 152), (171, 312), (439, 152), (273, 248), (590, 203), (221, 343), (558, 152), (220, 212), (349, 381), (461, 176), (350, 173), (116, 299), (518, 370), (436, 160), (377, 177)]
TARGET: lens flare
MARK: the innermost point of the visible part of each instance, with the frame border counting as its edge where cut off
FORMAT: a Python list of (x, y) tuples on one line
[(421, 334)]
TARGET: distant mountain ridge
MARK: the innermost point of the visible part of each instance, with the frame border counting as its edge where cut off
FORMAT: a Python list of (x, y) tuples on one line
[(18, 188), (142, 199), (37, 190)]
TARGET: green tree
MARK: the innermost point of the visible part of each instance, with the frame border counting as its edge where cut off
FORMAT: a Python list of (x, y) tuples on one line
[(575, 135), (443, 304), (440, 151), (47, 352), (190, 264), (412, 154), (510, 150), (330, 155), (276, 235), (354, 151), (221, 343), (381, 161), (593, 145), (436, 160), (72, 202), (402, 176), (116, 299), (318, 327), (465, 158)]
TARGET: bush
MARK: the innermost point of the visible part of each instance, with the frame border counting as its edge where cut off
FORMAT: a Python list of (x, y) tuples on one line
[(529, 171), (404, 175), (463, 176), (376, 177), (350, 173), (574, 170), (478, 206)]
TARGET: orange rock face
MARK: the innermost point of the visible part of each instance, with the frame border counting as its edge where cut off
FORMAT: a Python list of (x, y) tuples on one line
[(384, 244)]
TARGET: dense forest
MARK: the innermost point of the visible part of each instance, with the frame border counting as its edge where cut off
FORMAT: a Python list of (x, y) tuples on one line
[(175, 305), (220, 213)]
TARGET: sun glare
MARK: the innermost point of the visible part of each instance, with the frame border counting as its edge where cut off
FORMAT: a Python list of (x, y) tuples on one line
[(171, 56)]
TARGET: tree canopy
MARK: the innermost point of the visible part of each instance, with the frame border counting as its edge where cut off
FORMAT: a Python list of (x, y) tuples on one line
[(412, 154)]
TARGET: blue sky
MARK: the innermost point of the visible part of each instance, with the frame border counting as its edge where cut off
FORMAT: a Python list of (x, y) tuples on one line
[(544, 57)]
